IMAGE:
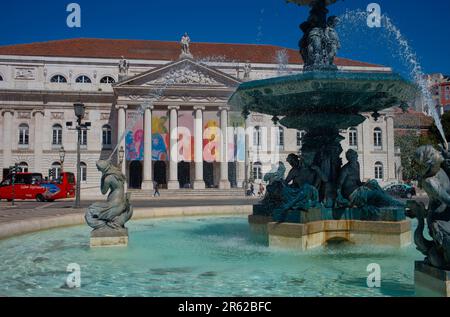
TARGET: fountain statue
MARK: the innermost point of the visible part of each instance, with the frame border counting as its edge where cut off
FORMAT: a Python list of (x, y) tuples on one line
[(108, 218), (432, 275), (322, 101), (435, 181)]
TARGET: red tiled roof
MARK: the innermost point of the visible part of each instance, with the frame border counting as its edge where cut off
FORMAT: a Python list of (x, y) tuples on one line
[(411, 119), (159, 50)]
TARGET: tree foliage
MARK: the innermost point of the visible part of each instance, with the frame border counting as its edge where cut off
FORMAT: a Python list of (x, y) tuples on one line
[(408, 143)]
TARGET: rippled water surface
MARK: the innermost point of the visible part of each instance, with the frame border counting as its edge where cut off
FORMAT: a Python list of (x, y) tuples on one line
[(196, 257)]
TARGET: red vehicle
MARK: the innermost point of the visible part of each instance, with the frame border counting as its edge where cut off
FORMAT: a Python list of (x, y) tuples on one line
[(32, 186)]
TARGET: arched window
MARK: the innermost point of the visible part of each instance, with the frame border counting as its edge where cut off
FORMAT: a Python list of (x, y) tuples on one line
[(83, 80), (257, 171), (353, 137), (280, 139), (23, 166), (83, 171), (57, 134), (379, 171), (107, 80), (378, 138), (300, 136), (58, 79), (257, 136), (24, 133), (1, 78), (106, 135), (56, 167)]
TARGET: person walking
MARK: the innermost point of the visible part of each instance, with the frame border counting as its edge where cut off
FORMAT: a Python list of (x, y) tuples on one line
[(252, 190), (261, 190), (156, 190)]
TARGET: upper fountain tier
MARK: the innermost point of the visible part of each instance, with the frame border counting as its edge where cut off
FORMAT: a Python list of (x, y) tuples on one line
[(323, 98)]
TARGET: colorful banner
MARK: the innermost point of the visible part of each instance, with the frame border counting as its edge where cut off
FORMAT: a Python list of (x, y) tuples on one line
[(160, 136), (211, 137), (186, 136), (134, 138), (236, 144)]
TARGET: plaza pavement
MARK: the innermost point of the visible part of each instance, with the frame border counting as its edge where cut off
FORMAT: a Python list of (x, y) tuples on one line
[(30, 216)]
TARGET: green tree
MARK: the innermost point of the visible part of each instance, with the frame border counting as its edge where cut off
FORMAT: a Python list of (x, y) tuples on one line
[(408, 143)]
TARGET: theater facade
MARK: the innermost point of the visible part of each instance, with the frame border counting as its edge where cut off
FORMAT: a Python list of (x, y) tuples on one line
[(165, 110)]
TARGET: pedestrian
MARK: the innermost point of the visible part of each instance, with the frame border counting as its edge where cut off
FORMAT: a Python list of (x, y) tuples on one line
[(156, 190), (252, 190), (261, 190)]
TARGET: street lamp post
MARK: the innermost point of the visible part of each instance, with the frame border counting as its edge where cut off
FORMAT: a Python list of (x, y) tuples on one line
[(79, 113), (121, 156)]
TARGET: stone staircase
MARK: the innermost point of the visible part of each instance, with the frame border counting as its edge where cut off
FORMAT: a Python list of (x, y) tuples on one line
[(225, 193)]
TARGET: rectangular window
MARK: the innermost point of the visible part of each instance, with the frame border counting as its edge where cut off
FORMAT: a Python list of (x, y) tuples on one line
[(300, 136), (378, 138), (106, 137), (23, 137), (257, 137), (257, 173), (83, 141), (280, 137), (353, 138), (57, 137), (83, 173)]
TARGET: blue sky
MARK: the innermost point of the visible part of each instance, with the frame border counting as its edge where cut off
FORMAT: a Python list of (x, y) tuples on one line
[(425, 24)]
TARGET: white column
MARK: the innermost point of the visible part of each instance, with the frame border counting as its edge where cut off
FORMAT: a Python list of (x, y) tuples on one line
[(38, 137), (173, 164), (224, 182), (121, 126), (199, 182), (147, 183), (240, 166), (8, 116), (390, 173)]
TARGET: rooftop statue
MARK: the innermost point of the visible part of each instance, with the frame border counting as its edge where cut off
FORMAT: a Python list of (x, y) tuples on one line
[(116, 211), (185, 44), (434, 180), (124, 66)]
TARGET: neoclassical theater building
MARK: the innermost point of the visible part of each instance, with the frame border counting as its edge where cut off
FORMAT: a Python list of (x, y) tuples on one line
[(137, 92)]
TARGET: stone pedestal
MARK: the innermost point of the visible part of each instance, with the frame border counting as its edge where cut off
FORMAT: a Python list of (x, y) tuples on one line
[(311, 235), (107, 237), (430, 281)]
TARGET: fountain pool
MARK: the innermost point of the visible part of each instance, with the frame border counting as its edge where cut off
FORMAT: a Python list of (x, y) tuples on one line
[(214, 256)]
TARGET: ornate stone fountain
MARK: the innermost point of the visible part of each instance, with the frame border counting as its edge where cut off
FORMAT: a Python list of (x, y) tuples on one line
[(322, 101)]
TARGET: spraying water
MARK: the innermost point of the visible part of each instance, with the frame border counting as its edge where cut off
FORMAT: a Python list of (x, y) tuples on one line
[(352, 20), (282, 59)]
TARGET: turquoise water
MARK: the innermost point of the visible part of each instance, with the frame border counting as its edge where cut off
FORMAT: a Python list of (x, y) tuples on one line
[(195, 257)]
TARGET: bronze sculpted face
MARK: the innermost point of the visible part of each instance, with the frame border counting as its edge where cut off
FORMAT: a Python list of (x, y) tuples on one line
[(427, 159), (352, 156), (293, 160)]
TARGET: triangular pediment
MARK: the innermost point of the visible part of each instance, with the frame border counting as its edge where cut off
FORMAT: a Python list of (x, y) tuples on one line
[(185, 72)]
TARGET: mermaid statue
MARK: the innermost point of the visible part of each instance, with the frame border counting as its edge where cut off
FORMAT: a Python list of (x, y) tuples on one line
[(435, 182), (116, 211)]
